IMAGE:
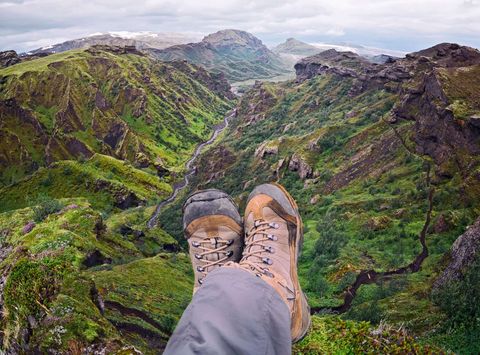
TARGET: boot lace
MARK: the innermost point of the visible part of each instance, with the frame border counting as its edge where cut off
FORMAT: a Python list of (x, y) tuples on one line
[(256, 258), (209, 246)]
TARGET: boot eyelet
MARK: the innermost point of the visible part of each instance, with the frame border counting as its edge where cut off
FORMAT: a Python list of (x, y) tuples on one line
[(230, 242), (273, 225), (195, 244), (272, 237), (229, 253), (269, 249), (198, 256), (200, 268), (200, 281), (267, 261)]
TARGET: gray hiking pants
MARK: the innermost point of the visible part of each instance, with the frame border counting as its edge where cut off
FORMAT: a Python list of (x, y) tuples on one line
[(233, 312)]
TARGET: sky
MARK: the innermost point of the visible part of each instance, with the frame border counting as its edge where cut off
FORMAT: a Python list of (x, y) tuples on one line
[(403, 25)]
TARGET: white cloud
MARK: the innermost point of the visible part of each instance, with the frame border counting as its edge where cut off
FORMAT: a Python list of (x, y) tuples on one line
[(335, 32), (396, 24)]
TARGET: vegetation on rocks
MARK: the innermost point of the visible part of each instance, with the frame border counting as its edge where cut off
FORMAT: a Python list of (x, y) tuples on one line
[(382, 201), (382, 160), (90, 141)]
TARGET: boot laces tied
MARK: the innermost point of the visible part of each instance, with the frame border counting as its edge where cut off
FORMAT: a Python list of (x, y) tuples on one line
[(209, 246), (255, 257)]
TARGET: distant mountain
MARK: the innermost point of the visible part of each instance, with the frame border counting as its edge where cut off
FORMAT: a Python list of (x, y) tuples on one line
[(295, 47), (238, 54), (364, 51), (141, 40), (292, 50)]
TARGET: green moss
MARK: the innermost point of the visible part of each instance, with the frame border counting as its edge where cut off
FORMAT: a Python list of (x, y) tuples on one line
[(28, 291), (150, 293), (101, 179), (331, 335)]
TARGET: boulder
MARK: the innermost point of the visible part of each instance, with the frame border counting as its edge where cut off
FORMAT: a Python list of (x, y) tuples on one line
[(378, 223), (266, 148), (28, 227), (8, 58), (463, 253), (289, 126), (314, 200), (297, 163), (442, 224)]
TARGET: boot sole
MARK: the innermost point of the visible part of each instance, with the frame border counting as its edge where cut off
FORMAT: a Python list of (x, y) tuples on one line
[(301, 303)]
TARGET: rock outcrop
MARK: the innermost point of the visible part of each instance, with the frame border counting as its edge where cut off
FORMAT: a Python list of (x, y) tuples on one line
[(465, 250), (256, 102), (266, 148), (345, 64), (8, 58), (126, 49), (431, 97), (297, 163)]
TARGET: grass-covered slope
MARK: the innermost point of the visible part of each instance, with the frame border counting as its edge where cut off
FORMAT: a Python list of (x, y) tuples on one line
[(73, 280), (382, 160), (90, 141), (74, 104), (106, 182), (385, 173)]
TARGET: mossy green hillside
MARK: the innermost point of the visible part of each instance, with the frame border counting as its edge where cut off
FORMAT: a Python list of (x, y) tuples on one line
[(60, 279), (333, 335), (361, 187), (146, 298), (81, 102), (108, 183)]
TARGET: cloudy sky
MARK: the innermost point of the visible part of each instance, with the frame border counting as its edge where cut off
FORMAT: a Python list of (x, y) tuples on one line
[(404, 25)]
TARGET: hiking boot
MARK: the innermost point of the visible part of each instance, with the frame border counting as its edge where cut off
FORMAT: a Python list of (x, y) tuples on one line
[(213, 228), (273, 240)]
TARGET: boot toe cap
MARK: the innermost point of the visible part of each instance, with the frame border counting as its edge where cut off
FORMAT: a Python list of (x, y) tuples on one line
[(209, 202)]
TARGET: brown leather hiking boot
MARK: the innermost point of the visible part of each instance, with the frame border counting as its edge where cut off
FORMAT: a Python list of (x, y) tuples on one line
[(213, 228), (274, 236)]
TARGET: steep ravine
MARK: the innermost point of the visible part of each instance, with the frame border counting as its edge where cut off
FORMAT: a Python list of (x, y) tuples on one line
[(190, 169)]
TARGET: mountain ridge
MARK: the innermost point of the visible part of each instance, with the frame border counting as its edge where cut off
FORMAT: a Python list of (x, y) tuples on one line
[(238, 54), (382, 160), (140, 40)]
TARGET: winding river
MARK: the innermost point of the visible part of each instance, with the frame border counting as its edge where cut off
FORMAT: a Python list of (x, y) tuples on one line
[(190, 169)]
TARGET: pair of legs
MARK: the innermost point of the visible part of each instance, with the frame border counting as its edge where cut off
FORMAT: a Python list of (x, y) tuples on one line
[(247, 298)]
